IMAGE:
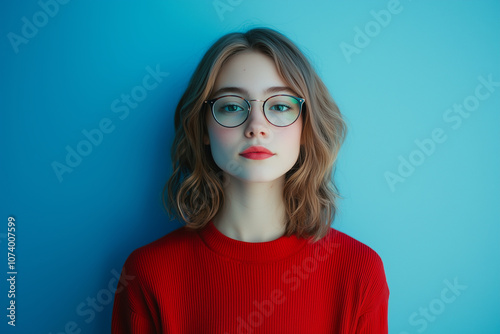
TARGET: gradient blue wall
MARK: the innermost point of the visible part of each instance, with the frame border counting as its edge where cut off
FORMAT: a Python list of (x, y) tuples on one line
[(419, 170)]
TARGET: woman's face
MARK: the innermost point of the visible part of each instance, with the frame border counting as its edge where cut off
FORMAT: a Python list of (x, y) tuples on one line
[(253, 75)]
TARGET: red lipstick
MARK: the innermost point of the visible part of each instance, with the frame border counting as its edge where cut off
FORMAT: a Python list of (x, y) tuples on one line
[(257, 153)]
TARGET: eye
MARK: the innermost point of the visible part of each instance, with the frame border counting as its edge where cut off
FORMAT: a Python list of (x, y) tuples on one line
[(280, 107), (231, 108)]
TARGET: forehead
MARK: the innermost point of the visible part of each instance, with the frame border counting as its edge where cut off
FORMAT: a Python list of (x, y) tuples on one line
[(251, 71)]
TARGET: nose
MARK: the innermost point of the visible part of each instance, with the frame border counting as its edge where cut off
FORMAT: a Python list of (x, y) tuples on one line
[(257, 124)]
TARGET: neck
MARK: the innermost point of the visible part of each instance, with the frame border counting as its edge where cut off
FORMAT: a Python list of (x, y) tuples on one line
[(252, 211)]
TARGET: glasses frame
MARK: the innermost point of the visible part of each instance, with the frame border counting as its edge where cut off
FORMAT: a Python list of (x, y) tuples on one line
[(212, 103)]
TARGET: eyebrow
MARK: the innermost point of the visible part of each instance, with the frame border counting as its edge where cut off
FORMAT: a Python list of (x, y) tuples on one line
[(242, 91)]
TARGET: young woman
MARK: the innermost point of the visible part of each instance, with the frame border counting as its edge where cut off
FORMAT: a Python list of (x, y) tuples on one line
[(257, 135)]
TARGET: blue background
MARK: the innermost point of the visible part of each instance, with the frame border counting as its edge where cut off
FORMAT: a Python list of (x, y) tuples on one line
[(440, 224)]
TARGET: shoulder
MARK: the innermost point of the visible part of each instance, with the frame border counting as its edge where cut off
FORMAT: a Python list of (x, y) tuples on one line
[(172, 247), (362, 265), (352, 258), (347, 248), (354, 249)]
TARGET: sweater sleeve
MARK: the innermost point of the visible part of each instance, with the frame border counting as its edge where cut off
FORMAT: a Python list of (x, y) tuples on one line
[(129, 322), (373, 319), (131, 314)]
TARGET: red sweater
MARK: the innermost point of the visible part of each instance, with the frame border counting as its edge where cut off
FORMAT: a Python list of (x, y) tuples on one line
[(205, 282)]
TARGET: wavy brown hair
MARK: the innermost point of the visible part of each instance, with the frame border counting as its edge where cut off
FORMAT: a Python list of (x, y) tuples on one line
[(195, 189)]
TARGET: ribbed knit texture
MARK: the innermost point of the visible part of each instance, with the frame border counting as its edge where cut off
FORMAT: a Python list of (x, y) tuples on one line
[(205, 282)]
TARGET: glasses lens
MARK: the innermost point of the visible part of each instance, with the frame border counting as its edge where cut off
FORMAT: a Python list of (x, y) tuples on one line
[(230, 110), (282, 110)]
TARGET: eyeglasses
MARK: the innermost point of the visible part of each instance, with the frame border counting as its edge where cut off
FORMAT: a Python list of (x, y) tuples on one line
[(231, 111)]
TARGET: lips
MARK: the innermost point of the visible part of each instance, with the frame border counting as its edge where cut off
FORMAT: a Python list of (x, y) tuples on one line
[(256, 153)]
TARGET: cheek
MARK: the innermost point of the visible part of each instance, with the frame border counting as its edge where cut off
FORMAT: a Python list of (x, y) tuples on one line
[(293, 136), (221, 142), (220, 137)]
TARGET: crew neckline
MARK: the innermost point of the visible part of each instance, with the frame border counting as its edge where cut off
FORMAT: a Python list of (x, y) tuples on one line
[(266, 251)]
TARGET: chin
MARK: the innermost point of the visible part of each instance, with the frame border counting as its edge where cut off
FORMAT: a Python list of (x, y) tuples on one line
[(261, 178)]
